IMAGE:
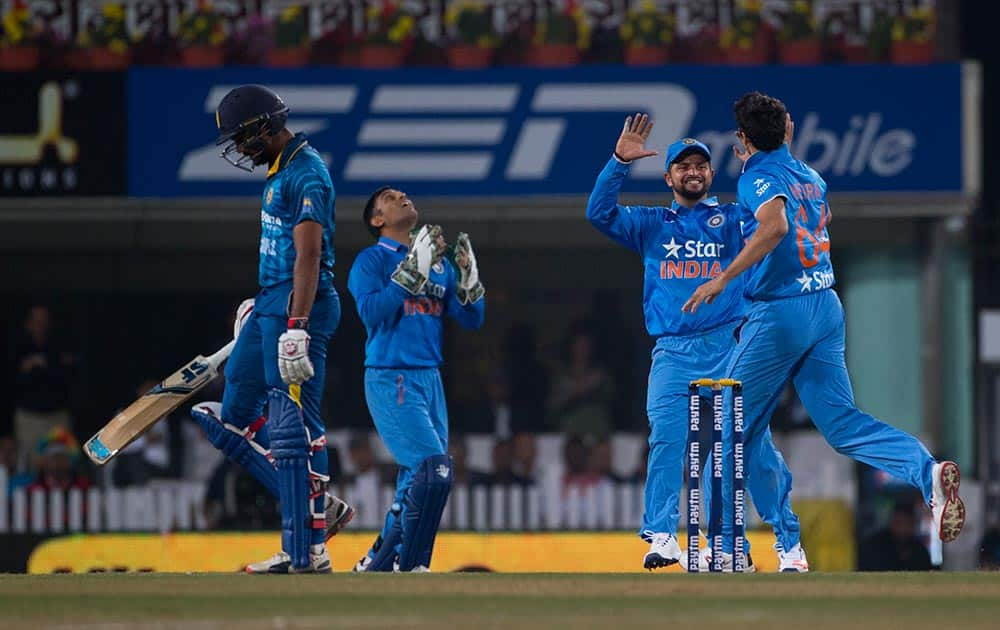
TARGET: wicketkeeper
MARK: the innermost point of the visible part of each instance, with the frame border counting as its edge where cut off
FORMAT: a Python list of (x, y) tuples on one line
[(403, 288)]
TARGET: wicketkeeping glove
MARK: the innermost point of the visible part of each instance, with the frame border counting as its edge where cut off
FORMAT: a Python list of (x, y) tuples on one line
[(470, 289), (293, 353), (426, 248)]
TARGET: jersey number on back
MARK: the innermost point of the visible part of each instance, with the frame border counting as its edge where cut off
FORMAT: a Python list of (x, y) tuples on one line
[(812, 241)]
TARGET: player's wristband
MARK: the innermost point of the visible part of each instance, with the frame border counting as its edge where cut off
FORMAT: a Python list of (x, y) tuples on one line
[(298, 323), (621, 159)]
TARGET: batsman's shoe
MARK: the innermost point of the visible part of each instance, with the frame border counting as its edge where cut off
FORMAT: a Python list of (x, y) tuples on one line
[(663, 552), (792, 561), (281, 563), (338, 515), (705, 561), (704, 556), (946, 506)]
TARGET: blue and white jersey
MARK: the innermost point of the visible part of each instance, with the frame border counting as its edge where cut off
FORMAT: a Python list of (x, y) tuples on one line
[(681, 248), (801, 262), (405, 331), (298, 189)]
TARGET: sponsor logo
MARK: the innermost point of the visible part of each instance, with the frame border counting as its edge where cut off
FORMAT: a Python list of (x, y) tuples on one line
[(816, 281), (442, 471), (761, 186), (452, 132), (693, 249), (28, 150)]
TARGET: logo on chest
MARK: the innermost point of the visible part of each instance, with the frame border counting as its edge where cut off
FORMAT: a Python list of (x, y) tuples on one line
[(691, 259), (692, 249), (430, 302)]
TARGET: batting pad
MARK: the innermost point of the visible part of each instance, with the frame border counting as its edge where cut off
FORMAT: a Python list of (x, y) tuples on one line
[(290, 450), (423, 505), (236, 445)]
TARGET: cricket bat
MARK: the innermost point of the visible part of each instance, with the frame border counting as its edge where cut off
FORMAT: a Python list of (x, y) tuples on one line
[(170, 394)]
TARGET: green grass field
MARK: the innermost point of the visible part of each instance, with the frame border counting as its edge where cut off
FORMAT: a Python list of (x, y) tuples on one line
[(467, 600)]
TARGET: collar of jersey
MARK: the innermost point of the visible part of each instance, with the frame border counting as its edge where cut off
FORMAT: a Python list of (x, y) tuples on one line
[(710, 202), (294, 145), (388, 243), (779, 154)]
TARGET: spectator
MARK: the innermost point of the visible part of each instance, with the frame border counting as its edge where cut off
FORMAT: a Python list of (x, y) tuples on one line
[(42, 382), (527, 379), (57, 455), (235, 500), (362, 457), (9, 461), (149, 457), (502, 473), (366, 481), (525, 453), (581, 396), (614, 348), (576, 456), (500, 414), (458, 451), (601, 462), (896, 547)]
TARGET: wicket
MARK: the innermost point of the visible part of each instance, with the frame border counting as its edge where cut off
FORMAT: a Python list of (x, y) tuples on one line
[(694, 475)]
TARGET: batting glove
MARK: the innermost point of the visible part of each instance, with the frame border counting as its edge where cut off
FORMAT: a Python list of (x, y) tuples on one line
[(426, 248), (293, 353), (470, 289), (243, 312)]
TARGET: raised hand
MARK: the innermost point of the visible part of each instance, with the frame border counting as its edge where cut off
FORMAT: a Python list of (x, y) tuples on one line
[(631, 144), (470, 289)]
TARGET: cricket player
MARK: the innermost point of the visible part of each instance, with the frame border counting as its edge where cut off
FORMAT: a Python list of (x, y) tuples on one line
[(795, 325), (282, 334), (681, 246), (403, 288)]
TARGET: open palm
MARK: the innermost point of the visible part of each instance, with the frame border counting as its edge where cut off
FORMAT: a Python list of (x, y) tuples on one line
[(631, 144)]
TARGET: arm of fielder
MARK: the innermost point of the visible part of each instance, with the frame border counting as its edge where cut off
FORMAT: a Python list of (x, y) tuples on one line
[(773, 226)]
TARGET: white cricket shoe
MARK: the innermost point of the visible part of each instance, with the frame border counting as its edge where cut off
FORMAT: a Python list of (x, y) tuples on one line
[(417, 569), (946, 506), (338, 515), (792, 561), (663, 552), (705, 562), (362, 565), (281, 563)]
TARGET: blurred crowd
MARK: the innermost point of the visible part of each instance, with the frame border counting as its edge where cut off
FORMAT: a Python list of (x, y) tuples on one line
[(461, 33)]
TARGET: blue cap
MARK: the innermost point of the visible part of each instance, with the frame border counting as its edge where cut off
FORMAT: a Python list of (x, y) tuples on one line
[(683, 145)]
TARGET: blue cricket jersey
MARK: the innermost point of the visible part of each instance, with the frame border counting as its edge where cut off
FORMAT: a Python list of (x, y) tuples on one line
[(405, 331), (298, 189), (681, 248), (801, 261)]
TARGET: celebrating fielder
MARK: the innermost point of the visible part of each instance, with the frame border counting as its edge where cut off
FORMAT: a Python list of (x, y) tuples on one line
[(681, 246), (402, 293), (795, 325), (282, 335)]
